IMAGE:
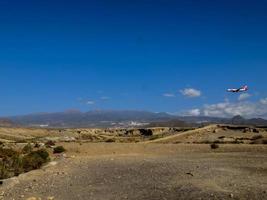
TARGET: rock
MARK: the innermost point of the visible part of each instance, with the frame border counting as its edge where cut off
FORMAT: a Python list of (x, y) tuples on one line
[(189, 173), (32, 198), (50, 198), (231, 195), (53, 163)]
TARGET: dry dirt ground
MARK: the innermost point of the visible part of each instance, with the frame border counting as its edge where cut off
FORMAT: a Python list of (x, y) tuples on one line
[(101, 171)]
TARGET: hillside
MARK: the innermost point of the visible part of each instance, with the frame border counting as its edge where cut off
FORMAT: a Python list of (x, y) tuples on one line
[(4, 122)]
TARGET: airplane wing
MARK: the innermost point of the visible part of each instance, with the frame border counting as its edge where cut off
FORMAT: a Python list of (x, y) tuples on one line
[(233, 90)]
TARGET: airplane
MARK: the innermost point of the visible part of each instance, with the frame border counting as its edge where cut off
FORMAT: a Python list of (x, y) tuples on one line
[(242, 89)]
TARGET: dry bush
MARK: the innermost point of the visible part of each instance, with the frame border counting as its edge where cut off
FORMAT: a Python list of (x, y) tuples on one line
[(214, 146), (50, 144), (35, 160), (256, 137), (27, 148), (13, 163), (59, 149), (110, 140)]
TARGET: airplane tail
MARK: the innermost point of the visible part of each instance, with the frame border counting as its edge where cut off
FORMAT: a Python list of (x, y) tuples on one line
[(245, 87)]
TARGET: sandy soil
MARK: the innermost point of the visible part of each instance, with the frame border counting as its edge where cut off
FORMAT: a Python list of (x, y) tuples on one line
[(146, 171)]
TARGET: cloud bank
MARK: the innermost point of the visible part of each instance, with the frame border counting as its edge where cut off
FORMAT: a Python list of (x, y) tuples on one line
[(230, 109)]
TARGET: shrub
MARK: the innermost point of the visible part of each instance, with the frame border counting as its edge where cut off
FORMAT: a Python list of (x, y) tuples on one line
[(13, 163), (43, 154), (35, 160), (214, 146), (4, 153), (27, 148), (110, 140), (59, 149), (50, 143), (146, 132)]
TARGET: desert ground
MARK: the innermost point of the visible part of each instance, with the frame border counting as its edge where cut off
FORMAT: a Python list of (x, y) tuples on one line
[(164, 163)]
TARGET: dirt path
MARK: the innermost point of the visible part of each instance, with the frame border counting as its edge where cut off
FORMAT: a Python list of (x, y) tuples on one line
[(151, 171)]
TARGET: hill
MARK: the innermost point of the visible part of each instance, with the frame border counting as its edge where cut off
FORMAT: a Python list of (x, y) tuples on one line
[(4, 122)]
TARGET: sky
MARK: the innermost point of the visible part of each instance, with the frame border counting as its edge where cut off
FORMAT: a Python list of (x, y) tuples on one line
[(162, 56)]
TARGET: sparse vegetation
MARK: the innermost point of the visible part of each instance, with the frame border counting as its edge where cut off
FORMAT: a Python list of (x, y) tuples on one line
[(50, 144), (35, 160), (214, 146), (27, 148), (146, 132), (110, 140), (256, 137), (154, 137), (13, 163), (59, 149)]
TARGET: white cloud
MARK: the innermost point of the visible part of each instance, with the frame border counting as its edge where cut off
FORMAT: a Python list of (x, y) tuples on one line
[(193, 112), (244, 96), (191, 92), (90, 102), (229, 109), (169, 95), (263, 101)]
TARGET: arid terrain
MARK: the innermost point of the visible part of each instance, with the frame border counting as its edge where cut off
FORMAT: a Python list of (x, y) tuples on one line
[(158, 163)]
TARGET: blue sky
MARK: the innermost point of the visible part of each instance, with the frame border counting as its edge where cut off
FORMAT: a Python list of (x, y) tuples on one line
[(60, 55)]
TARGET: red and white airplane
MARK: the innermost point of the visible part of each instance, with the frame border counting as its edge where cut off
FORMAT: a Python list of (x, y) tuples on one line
[(242, 89)]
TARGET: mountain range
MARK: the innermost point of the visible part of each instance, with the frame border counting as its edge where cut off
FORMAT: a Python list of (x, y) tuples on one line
[(117, 118)]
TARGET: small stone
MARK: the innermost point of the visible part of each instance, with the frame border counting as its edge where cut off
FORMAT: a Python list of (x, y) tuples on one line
[(32, 198), (50, 198), (22, 196), (232, 195), (53, 163)]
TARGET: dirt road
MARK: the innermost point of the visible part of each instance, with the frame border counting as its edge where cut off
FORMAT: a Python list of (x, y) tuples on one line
[(147, 171)]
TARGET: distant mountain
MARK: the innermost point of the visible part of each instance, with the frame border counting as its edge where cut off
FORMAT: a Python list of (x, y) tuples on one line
[(4, 122), (202, 119), (126, 118), (171, 123), (97, 118), (239, 120)]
